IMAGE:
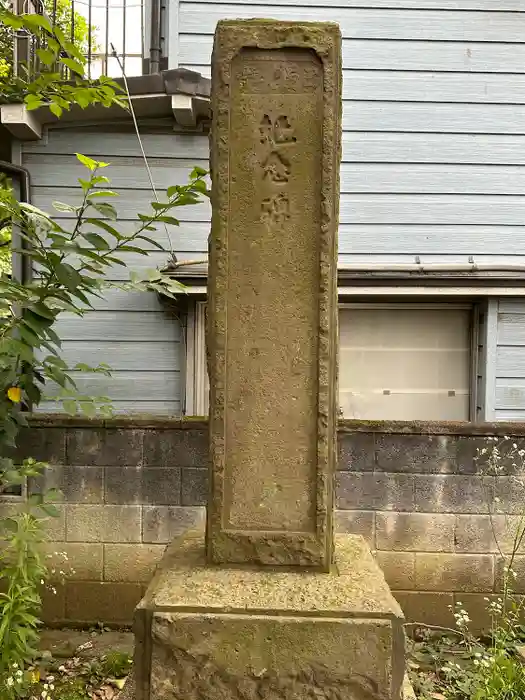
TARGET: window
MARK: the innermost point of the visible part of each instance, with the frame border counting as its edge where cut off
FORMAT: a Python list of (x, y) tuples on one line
[(396, 362), (404, 362)]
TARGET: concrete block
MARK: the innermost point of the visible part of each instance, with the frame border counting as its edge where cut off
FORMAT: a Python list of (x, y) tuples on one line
[(136, 485), (427, 608), (102, 447), (517, 583), (452, 493), (112, 603), (46, 444), (476, 605), (375, 491), (268, 633), (53, 603), (78, 561), (415, 532), (177, 448), (54, 527), (195, 486), (488, 533), (399, 452), (77, 484), (356, 522), (356, 452), (131, 562), (106, 523), (509, 495), (398, 568), (162, 523), (455, 572)]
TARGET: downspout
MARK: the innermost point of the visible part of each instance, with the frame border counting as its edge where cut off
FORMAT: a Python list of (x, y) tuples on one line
[(24, 179), (154, 45)]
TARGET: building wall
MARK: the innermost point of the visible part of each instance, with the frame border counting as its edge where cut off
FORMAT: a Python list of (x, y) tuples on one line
[(413, 490), (433, 155), (131, 331)]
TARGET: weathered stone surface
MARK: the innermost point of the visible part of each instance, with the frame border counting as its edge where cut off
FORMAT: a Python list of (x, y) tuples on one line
[(160, 524), (272, 313), (375, 491), (415, 532), (85, 523), (216, 633)]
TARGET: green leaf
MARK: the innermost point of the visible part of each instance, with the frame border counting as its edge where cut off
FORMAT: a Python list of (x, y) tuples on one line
[(159, 206), (73, 65), (168, 220), (198, 172), (82, 99), (104, 225), (46, 56), (36, 22), (89, 162), (56, 109), (153, 242), (96, 240), (105, 209), (70, 406), (62, 206), (88, 408), (68, 276), (200, 186), (33, 102), (102, 193)]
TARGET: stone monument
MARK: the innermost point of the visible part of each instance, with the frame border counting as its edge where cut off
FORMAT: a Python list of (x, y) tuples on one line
[(265, 607)]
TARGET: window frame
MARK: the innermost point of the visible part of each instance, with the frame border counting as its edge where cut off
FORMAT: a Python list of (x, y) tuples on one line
[(196, 384)]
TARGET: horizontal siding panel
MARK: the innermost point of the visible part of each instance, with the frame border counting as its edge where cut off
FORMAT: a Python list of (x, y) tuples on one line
[(161, 408), (432, 239), (512, 415), (490, 5), (421, 86), (361, 23), (127, 300), (354, 208), (384, 147), (433, 117), (511, 306), (511, 329), (355, 177), (124, 173), (106, 145), (431, 209), (115, 327), (510, 362), (432, 179), (370, 54), (126, 386), (128, 203), (510, 394), (146, 356)]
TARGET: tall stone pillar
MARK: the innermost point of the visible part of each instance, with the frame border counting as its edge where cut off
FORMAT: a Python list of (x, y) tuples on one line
[(266, 607), (272, 290)]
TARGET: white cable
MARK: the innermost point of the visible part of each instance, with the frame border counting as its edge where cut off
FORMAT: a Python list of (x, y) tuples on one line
[(135, 123)]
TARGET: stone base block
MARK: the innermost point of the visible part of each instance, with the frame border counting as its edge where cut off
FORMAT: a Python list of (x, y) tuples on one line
[(215, 633)]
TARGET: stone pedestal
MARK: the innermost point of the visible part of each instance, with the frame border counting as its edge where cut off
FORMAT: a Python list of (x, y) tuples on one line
[(217, 633)]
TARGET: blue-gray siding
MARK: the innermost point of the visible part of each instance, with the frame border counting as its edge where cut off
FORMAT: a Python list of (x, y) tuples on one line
[(433, 118), (509, 391), (131, 331)]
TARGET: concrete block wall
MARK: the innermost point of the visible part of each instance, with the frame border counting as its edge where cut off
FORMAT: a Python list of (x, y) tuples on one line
[(411, 489)]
